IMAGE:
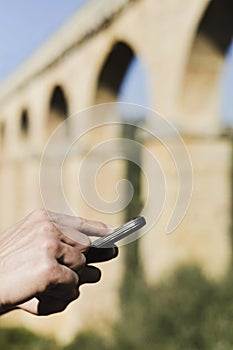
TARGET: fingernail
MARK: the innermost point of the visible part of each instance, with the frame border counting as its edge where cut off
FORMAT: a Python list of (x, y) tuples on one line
[(111, 228)]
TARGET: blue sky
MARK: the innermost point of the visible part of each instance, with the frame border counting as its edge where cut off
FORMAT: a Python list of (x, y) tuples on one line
[(26, 24), (227, 90), (134, 87)]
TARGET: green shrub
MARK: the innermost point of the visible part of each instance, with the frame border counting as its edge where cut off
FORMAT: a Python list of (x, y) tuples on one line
[(88, 340), (22, 339), (185, 312)]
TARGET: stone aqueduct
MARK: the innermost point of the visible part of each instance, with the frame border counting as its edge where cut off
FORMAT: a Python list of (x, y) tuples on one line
[(182, 44)]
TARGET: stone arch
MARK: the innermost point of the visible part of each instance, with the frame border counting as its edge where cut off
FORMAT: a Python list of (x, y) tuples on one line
[(57, 113), (112, 72), (58, 108), (200, 93), (217, 24), (116, 76), (111, 77), (24, 123)]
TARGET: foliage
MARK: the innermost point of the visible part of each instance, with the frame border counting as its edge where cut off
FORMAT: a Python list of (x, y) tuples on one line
[(22, 339), (88, 340), (186, 311)]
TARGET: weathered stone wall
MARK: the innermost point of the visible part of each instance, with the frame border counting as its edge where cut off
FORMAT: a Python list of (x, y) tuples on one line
[(184, 72)]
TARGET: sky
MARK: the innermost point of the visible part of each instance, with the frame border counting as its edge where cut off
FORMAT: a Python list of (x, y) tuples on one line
[(227, 90), (134, 88), (26, 24)]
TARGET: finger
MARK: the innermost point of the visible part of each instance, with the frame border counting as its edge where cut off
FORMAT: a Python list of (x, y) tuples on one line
[(89, 227), (60, 275), (50, 302), (61, 289), (71, 256), (95, 255), (73, 236), (49, 305), (43, 307), (89, 274)]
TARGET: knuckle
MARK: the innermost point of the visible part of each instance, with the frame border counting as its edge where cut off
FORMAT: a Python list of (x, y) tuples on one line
[(47, 227), (71, 279), (82, 260), (49, 273), (82, 223), (79, 261), (50, 246), (51, 269), (102, 225), (39, 214)]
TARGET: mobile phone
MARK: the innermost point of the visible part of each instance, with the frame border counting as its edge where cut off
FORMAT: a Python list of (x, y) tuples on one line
[(120, 233)]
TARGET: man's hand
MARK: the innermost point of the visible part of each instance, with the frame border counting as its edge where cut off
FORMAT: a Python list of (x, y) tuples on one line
[(44, 259)]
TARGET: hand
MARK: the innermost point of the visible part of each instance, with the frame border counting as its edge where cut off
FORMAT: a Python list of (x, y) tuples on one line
[(43, 261)]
